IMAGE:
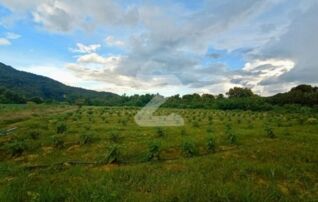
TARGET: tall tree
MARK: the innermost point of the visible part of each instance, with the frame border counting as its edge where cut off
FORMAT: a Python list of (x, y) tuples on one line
[(238, 92)]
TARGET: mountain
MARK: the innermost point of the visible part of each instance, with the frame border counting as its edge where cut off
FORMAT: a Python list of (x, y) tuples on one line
[(30, 85)]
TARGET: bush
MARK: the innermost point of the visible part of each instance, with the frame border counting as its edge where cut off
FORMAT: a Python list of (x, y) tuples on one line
[(188, 149), (154, 150), (61, 128)]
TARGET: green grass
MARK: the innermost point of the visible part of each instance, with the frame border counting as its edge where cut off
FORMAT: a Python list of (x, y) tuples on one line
[(60, 153)]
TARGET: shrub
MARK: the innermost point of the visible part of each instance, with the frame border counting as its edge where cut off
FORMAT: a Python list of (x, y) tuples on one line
[(153, 152), (112, 156), (61, 128), (17, 148), (188, 149)]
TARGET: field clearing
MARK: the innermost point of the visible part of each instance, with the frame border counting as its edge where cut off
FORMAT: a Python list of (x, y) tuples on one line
[(62, 153)]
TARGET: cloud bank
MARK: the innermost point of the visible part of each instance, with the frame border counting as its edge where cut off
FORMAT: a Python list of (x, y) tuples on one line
[(194, 44)]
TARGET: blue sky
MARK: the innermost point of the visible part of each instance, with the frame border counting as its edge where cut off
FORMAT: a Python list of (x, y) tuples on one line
[(169, 47)]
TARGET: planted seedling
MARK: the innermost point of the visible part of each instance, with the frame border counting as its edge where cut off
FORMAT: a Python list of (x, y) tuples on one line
[(188, 149), (61, 128), (112, 156), (211, 144), (153, 152)]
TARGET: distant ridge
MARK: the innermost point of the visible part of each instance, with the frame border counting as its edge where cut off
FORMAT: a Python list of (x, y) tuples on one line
[(31, 85)]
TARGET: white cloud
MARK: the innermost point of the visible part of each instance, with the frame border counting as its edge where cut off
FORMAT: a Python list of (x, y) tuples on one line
[(81, 48), (54, 16), (111, 41), (63, 16), (256, 72), (4, 42), (109, 63)]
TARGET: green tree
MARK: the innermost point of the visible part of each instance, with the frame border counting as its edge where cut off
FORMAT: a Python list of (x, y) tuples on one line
[(238, 92)]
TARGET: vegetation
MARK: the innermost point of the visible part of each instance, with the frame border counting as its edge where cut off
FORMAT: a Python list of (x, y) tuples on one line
[(97, 158), (59, 143)]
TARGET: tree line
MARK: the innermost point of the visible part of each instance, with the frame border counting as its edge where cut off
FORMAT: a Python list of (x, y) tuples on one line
[(235, 98)]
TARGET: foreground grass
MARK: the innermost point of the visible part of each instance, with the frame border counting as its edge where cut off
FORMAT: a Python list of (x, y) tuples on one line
[(59, 153)]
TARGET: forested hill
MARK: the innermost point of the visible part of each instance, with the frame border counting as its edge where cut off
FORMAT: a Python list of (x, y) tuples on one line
[(30, 86)]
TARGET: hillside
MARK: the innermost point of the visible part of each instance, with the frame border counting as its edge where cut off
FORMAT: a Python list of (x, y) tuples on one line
[(30, 85), (301, 94)]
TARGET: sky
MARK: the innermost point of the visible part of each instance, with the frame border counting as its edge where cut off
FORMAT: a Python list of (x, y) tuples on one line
[(166, 47)]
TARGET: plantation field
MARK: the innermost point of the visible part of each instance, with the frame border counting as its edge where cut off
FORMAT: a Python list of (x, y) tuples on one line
[(63, 153)]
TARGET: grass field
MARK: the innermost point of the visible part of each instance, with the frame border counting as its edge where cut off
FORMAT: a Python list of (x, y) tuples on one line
[(62, 153)]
